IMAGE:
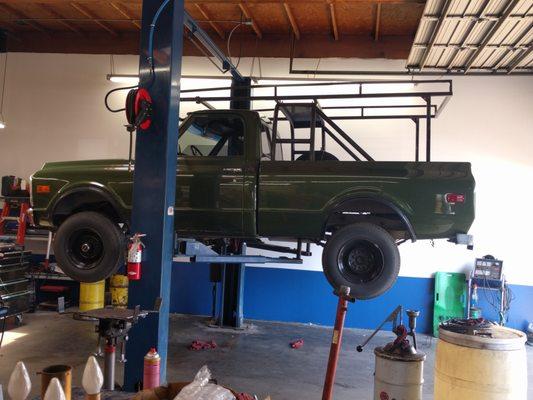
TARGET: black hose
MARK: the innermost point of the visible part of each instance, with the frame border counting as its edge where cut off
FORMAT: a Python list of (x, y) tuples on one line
[(113, 91)]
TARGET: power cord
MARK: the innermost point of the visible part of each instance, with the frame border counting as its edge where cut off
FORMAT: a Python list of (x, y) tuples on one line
[(240, 45), (3, 325)]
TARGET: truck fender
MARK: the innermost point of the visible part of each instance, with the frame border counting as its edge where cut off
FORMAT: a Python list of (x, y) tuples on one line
[(375, 198), (74, 197)]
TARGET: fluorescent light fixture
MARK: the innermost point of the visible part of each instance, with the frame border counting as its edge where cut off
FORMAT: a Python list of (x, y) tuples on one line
[(2, 125), (129, 79)]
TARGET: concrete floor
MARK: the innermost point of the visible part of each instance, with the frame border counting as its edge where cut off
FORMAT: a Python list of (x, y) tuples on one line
[(258, 360)]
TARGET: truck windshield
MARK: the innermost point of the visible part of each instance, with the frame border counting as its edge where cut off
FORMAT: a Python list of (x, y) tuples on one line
[(218, 136)]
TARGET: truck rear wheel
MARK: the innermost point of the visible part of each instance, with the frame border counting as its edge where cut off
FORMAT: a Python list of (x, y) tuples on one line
[(89, 247), (363, 257)]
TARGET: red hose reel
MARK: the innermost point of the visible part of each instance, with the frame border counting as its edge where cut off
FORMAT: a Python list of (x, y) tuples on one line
[(139, 108)]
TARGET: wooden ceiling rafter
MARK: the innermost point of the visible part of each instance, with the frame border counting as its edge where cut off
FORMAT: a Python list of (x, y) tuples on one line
[(377, 25), (248, 14), (333, 23), (214, 25), (89, 14), (292, 20), (47, 8), (333, 17), (19, 14), (247, 2), (272, 45), (122, 10)]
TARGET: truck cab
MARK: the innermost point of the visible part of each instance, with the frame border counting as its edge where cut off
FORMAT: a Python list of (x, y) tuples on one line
[(218, 160)]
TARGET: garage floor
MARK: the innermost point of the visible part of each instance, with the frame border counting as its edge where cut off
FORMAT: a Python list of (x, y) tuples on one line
[(257, 361)]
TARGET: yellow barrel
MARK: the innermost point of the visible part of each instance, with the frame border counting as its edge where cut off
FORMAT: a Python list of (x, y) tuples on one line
[(118, 285), (92, 295), (489, 364)]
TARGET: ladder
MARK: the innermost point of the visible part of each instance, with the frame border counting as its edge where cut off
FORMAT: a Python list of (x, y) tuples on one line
[(15, 209)]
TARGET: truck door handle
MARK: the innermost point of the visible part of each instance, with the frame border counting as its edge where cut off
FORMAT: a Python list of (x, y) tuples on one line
[(231, 169)]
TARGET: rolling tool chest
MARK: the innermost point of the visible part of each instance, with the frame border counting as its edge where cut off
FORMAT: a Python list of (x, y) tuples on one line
[(15, 289)]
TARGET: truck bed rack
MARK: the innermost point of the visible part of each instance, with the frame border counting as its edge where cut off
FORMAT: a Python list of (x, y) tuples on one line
[(305, 111)]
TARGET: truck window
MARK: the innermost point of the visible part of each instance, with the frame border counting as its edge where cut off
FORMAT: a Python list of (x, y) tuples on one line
[(213, 136), (265, 142)]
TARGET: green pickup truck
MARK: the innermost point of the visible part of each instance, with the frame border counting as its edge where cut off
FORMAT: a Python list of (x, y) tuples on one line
[(237, 178)]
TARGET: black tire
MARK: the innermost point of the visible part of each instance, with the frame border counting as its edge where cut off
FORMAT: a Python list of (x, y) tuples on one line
[(319, 156), (89, 247), (363, 257)]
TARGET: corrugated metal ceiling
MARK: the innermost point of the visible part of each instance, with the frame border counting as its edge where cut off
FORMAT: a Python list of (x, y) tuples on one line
[(474, 35)]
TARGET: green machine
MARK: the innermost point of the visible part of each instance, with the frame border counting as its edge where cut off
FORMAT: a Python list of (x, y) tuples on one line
[(449, 299)]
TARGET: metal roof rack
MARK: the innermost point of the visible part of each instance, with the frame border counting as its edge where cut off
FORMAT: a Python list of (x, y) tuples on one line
[(306, 111)]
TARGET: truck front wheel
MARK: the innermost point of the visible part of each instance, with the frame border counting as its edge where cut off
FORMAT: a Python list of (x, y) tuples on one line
[(363, 257), (89, 247)]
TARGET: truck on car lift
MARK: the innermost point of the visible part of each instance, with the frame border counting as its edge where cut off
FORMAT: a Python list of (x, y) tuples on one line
[(240, 178)]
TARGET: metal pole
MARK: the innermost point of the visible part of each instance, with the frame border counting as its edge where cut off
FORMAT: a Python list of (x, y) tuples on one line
[(109, 367), (293, 146), (468, 296), (154, 185), (336, 342), (274, 133), (313, 129), (428, 129), (233, 278), (417, 140)]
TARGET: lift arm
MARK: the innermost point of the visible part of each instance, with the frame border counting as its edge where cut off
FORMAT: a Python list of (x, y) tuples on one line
[(210, 46)]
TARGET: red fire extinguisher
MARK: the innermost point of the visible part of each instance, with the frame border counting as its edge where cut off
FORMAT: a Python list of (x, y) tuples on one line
[(135, 253)]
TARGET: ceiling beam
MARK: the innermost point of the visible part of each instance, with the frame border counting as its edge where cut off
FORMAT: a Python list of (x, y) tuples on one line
[(18, 14), (124, 12), (517, 60), (272, 45), (292, 20), (333, 21), (514, 49), (377, 25), (59, 17), (93, 17), (246, 11), (139, 2), (435, 33), (466, 37), (510, 7), (10, 34), (214, 25)]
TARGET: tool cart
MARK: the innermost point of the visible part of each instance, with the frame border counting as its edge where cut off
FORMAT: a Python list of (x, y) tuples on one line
[(15, 290)]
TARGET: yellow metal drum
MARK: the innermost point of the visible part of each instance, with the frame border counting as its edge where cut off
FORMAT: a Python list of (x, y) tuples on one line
[(481, 367), (92, 295), (119, 291)]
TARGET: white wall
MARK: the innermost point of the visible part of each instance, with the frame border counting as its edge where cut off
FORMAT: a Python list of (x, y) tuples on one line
[(54, 111)]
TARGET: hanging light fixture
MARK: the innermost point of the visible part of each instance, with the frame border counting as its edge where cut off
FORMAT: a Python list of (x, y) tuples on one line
[(130, 79), (121, 78), (2, 92)]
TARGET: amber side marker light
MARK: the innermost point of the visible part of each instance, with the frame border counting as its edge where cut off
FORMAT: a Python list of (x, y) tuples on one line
[(43, 189)]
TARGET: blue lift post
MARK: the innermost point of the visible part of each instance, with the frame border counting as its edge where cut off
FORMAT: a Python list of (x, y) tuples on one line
[(232, 314), (155, 183)]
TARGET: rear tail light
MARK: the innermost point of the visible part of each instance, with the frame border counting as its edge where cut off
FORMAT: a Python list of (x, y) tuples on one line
[(453, 198)]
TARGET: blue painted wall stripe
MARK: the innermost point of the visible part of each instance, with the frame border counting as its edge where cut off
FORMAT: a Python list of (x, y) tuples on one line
[(305, 296)]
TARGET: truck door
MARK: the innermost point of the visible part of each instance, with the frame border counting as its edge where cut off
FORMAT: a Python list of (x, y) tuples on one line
[(210, 176)]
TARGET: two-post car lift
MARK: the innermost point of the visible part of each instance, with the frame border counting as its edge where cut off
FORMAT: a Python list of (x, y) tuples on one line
[(154, 186), (154, 189)]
